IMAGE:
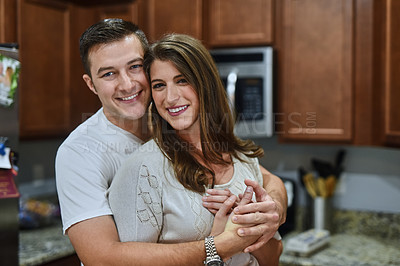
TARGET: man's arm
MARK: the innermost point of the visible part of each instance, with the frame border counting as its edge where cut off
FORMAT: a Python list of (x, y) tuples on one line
[(277, 191), (96, 242)]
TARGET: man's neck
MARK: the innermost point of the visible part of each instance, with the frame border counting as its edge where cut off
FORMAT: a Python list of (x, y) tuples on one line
[(137, 127)]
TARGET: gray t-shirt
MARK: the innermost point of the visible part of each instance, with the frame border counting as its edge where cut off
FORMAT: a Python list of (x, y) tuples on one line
[(86, 163)]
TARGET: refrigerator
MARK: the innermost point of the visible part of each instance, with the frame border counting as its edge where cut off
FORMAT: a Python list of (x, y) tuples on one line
[(9, 135)]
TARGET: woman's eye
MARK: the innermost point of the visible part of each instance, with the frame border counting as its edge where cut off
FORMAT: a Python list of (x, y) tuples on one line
[(182, 81), (157, 86)]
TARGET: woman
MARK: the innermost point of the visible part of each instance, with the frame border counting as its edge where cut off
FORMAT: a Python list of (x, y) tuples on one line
[(194, 148)]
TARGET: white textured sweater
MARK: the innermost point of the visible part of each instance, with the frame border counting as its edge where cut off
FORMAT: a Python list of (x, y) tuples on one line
[(150, 205)]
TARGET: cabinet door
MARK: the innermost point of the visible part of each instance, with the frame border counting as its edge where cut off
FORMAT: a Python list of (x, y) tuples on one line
[(315, 83), (391, 82), (240, 23), (8, 21), (53, 96), (179, 16), (44, 80), (84, 102)]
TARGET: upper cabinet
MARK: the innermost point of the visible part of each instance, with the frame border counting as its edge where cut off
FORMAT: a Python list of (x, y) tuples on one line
[(316, 73), (44, 80), (8, 21), (336, 62), (389, 82), (240, 23), (173, 16), (337, 65), (219, 23), (53, 96)]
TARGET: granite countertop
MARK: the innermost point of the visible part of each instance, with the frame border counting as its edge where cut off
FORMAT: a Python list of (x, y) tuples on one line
[(43, 245), (348, 249)]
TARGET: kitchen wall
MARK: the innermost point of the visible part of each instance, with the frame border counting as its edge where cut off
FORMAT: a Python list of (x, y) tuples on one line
[(371, 180)]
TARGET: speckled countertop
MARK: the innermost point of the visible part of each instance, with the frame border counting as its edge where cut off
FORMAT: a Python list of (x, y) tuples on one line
[(358, 238), (43, 245), (345, 249)]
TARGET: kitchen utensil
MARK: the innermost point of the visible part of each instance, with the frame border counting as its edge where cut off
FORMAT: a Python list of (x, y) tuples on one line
[(330, 183), (309, 182), (322, 190)]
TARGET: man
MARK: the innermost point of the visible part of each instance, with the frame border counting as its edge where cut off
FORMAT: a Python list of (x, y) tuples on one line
[(112, 53)]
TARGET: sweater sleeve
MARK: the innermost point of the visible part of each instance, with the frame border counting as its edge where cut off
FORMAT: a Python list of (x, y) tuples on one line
[(135, 199)]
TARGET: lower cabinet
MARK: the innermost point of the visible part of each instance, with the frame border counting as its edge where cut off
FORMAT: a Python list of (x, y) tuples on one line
[(71, 260)]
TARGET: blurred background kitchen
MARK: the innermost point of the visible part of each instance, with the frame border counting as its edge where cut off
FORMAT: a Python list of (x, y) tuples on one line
[(335, 85)]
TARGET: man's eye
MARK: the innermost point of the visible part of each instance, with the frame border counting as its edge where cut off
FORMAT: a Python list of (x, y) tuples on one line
[(137, 66), (108, 74)]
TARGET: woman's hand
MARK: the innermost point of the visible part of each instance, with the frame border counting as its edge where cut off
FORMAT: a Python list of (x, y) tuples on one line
[(216, 198), (222, 220)]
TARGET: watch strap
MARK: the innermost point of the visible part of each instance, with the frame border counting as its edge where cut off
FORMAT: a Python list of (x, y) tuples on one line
[(211, 251)]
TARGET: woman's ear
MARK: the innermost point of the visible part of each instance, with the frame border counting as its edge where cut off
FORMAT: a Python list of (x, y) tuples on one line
[(89, 83)]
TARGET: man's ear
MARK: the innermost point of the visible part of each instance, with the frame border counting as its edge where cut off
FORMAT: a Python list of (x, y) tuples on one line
[(89, 83)]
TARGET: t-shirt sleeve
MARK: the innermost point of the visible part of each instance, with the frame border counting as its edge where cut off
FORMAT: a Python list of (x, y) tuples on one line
[(81, 185), (135, 197)]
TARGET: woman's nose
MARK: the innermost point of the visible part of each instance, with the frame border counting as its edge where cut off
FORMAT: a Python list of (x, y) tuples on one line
[(172, 95)]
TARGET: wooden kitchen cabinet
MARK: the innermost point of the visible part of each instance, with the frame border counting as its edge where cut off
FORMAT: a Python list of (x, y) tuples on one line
[(8, 21), (173, 16), (44, 80), (315, 50), (217, 23), (389, 80), (53, 96), (240, 23), (338, 65)]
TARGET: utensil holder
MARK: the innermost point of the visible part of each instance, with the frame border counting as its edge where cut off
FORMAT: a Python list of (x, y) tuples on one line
[(322, 210)]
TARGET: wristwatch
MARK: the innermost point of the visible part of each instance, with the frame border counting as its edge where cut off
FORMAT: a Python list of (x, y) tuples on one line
[(212, 258)]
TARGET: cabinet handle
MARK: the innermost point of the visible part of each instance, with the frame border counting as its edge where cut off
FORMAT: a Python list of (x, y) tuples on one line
[(231, 88)]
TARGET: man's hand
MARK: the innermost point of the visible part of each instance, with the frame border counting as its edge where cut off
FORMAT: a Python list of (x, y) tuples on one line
[(263, 214), (229, 242)]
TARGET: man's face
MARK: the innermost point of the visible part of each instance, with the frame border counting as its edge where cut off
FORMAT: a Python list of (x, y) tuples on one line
[(119, 80)]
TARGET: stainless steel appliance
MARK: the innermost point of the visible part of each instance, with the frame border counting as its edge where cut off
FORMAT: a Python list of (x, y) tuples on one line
[(247, 75), (9, 128)]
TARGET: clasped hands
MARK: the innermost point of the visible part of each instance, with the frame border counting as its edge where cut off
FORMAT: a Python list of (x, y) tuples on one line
[(260, 218)]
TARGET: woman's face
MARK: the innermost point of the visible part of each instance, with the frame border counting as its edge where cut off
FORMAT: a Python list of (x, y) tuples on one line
[(175, 99)]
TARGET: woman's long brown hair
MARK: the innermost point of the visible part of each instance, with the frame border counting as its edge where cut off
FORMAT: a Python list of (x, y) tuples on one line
[(195, 63)]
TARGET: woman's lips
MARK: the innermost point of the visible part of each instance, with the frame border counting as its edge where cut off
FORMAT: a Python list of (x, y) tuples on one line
[(174, 111)]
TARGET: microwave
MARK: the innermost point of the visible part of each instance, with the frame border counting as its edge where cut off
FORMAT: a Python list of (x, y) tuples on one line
[(247, 76)]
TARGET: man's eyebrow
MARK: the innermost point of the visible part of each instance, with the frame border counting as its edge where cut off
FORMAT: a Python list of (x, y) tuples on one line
[(135, 60), (102, 69)]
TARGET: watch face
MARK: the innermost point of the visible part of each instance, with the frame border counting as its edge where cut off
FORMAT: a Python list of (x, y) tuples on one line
[(215, 263)]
